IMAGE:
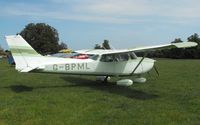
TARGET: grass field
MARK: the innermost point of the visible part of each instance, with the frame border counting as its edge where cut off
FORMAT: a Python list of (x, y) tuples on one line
[(173, 98)]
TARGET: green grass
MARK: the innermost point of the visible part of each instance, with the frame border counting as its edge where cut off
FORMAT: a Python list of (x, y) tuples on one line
[(173, 98)]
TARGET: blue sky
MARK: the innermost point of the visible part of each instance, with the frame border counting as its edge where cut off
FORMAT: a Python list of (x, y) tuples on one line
[(125, 23)]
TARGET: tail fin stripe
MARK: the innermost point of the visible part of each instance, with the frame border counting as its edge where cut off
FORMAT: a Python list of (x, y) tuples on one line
[(24, 52)]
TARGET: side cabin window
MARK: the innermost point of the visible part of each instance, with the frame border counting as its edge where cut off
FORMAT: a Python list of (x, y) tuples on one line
[(122, 57), (107, 58), (118, 57)]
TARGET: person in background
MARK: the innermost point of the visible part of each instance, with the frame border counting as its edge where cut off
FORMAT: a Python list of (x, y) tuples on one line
[(10, 58)]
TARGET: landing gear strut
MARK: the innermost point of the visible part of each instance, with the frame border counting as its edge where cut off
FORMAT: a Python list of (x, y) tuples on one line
[(106, 79), (103, 79)]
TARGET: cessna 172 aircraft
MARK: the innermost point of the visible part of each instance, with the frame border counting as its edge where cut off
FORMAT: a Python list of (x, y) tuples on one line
[(101, 63)]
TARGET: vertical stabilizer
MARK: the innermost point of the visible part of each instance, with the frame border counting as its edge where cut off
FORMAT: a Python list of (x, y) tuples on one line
[(26, 58)]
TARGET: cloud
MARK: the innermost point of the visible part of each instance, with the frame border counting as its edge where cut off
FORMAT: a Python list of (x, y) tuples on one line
[(124, 8), (109, 11), (116, 8), (35, 12), (136, 7)]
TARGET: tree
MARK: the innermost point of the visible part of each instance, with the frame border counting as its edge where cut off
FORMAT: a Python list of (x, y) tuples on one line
[(63, 46), (194, 38), (177, 40), (195, 51), (106, 45), (42, 37), (176, 53), (97, 46)]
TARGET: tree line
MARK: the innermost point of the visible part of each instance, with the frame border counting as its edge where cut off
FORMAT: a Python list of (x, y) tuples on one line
[(45, 40), (179, 53), (105, 45)]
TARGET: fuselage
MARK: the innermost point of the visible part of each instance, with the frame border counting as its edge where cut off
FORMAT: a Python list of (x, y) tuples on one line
[(121, 62), (99, 65)]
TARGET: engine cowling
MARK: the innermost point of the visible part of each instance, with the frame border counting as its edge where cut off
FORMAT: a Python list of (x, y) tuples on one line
[(125, 82)]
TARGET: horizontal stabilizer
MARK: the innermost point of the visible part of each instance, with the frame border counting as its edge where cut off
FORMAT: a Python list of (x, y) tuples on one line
[(28, 69)]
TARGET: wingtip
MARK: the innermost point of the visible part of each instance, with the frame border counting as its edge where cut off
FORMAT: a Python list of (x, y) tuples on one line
[(185, 44), (193, 43)]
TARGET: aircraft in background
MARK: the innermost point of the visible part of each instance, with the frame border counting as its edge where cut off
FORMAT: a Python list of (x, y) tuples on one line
[(101, 63)]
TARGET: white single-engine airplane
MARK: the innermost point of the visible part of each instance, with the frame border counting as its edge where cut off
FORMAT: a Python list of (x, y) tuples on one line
[(101, 63)]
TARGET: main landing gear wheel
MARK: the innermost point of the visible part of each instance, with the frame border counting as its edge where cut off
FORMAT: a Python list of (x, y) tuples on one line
[(103, 79), (107, 78), (140, 80)]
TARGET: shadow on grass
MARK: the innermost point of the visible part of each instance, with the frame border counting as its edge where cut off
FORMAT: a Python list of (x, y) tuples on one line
[(109, 88), (19, 88), (82, 82)]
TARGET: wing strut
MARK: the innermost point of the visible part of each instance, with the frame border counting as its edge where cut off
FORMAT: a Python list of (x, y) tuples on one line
[(139, 64)]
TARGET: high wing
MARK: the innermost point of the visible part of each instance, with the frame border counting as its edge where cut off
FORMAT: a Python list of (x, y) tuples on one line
[(140, 49), (165, 46)]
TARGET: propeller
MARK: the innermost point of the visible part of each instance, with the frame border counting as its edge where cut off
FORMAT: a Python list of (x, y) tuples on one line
[(155, 68)]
